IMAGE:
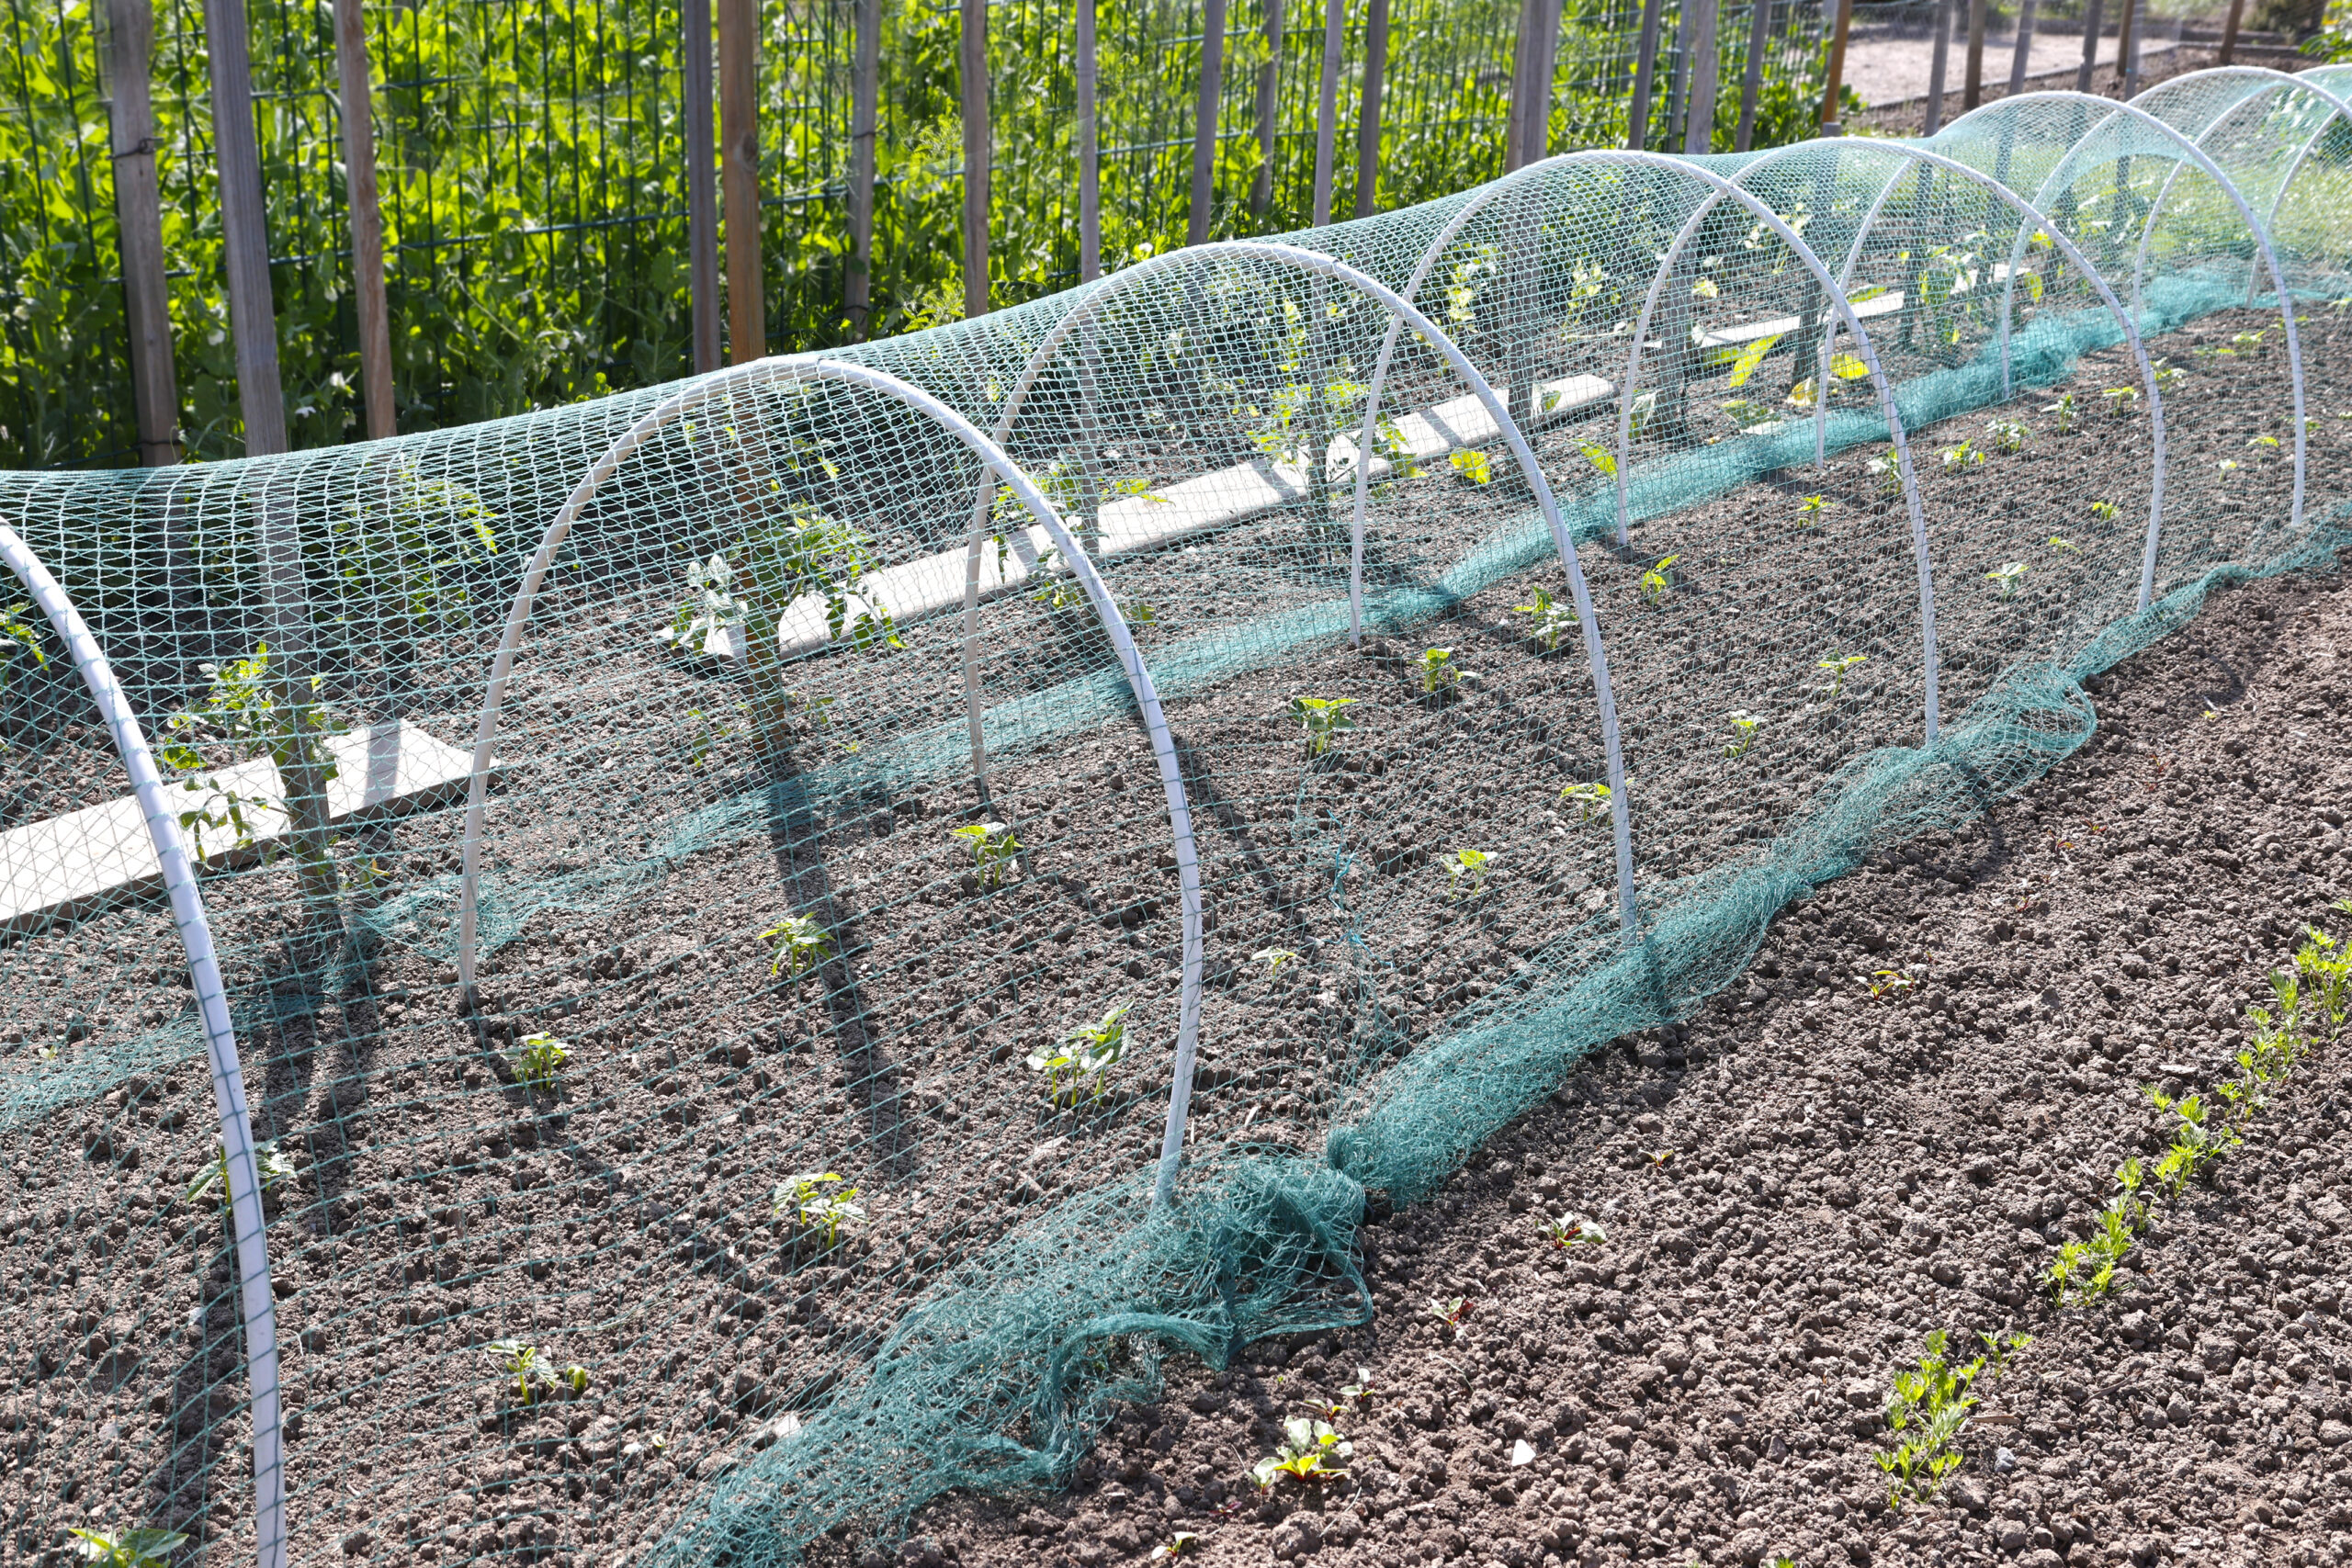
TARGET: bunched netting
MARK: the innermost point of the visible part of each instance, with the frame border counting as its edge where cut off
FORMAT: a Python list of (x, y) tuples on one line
[(763, 949)]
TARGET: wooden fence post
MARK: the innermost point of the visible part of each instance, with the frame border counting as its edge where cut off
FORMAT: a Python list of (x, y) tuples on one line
[(980, 152), (1752, 76), (1198, 215), (739, 166), (253, 317), (2229, 31), (1375, 64), (1699, 124), (367, 219), (702, 201), (1940, 66), (1543, 61), (1523, 45), (1637, 109), (2021, 55), (2090, 44), (1261, 188), (1090, 153), (1326, 107), (1834, 88), (864, 116), (154, 390), (2127, 49), (1972, 87)]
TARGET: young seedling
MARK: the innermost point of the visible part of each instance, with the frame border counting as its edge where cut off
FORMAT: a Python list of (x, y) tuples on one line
[(1322, 718), (1176, 1545), (993, 848), (1439, 674), (521, 1361), (1838, 665), (17, 632), (1273, 958), (127, 1549), (1884, 985), (539, 1061), (1310, 1452), (269, 1165), (2008, 577), (2106, 511), (2086, 1269), (1809, 510), (2063, 546), (1549, 620), (2199, 1139), (2122, 401), (1886, 467), (1570, 1231), (809, 1199), (800, 945), (1451, 1311), (1963, 455), (1466, 873), (2008, 435), (1361, 1391), (2065, 408), (1096, 1048), (1927, 1410), (1744, 728), (1592, 799), (1472, 465), (2270, 442), (1658, 581)]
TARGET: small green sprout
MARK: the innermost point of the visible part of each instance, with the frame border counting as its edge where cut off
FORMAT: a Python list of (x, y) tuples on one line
[(2122, 401), (1099, 1046), (127, 1549), (1658, 581), (521, 1361), (1550, 621), (1273, 958), (17, 631), (2065, 408), (1466, 873), (993, 848), (1574, 1230), (1322, 718), (2227, 466), (1452, 1309), (2269, 441), (1838, 665), (1361, 1391), (1886, 467), (1743, 726), (1929, 1407), (1176, 1545), (1964, 456), (576, 1376), (539, 1060), (2248, 340), (2008, 577), (1810, 509), (1309, 1453), (1439, 671), (2064, 546), (1592, 799), (805, 1199), (1472, 465), (2008, 434), (800, 945), (271, 1165), (2106, 511), (2199, 1139)]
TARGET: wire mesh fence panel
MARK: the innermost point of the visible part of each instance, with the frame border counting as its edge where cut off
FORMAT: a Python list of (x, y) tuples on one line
[(719, 889)]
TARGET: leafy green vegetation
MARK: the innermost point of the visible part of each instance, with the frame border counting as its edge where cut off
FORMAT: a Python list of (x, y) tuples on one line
[(1311, 1452), (1927, 1409), (799, 945), (1323, 718), (992, 846), (539, 1061), (144, 1548), (817, 1200), (1592, 799), (271, 1165), (1082, 1059)]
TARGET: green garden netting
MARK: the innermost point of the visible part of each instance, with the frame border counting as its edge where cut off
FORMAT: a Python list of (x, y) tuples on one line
[(1327, 684)]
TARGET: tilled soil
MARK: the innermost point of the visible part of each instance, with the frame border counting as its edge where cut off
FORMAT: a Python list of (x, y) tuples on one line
[(1802, 1181)]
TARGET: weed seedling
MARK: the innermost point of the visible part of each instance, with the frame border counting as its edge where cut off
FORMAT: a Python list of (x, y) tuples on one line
[(1592, 799), (1439, 673), (1309, 1453), (521, 1361), (539, 1060), (1472, 465), (800, 945), (2008, 577), (1744, 728), (1658, 581), (1322, 718), (1549, 621), (1838, 665), (1568, 1231), (809, 1199), (993, 848), (2065, 408), (270, 1164), (127, 1549), (1466, 873)]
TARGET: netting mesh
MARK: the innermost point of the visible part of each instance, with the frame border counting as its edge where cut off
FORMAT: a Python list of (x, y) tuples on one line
[(783, 1145)]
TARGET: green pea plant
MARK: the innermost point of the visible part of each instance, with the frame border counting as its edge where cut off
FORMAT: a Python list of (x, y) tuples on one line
[(1567, 1231), (19, 636), (1440, 674), (1466, 873), (1323, 718), (1929, 1408), (1548, 620), (1592, 799), (143, 1548), (271, 1165), (1310, 1453), (1839, 666), (1744, 728), (1082, 1059), (2007, 577), (539, 1061), (993, 848), (817, 1200), (1657, 582), (800, 944), (534, 1377), (255, 712)]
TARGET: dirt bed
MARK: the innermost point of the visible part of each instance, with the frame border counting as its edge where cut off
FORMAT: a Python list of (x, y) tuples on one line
[(1800, 1182)]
